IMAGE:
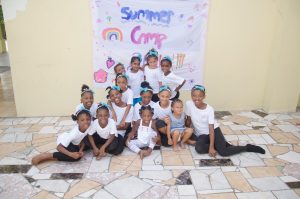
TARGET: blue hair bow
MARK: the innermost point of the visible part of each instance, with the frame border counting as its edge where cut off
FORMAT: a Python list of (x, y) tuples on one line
[(122, 75), (152, 53), (115, 88), (138, 55), (167, 58), (198, 87), (145, 89), (164, 88), (82, 108), (102, 104)]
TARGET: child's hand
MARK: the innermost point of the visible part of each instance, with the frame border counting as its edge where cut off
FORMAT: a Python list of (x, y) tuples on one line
[(212, 152), (170, 142), (155, 139), (102, 152), (122, 123), (76, 155), (95, 152), (167, 120)]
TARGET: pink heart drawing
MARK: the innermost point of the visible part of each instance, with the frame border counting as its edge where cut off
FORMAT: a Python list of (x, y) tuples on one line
[(110, 62), (100, 76)]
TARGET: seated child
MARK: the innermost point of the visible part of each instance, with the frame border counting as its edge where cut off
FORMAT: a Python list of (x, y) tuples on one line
[(69, 144), (146, 133)]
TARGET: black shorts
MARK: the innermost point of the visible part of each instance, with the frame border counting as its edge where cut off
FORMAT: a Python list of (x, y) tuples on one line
[(164, 138)]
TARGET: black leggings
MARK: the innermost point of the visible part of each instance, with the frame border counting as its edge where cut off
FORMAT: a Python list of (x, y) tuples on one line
[(63, 157), (115, 147), (221, 145)]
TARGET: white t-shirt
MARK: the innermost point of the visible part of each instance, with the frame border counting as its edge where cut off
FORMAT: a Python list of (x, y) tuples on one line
[(153, 77), (105, 132), (134, 81), (74, 136), (127, 96), (160, 112), (136, 110), (173, 81), (93, 108), (120, 113), (200, 118)]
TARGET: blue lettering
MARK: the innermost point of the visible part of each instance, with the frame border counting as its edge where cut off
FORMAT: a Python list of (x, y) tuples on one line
[(124, 11)]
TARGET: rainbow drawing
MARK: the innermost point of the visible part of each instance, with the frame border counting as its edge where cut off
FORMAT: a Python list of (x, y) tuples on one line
[(112, 34)]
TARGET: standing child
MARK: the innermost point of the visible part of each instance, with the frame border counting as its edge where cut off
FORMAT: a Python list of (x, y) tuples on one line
[(69, 144), (162, 110), (104, 137), (146, 93), (178, 130), (146, 133), (135, 77), (168, 78), (207, 136), (87, 100), (152, 73), (120, 107)]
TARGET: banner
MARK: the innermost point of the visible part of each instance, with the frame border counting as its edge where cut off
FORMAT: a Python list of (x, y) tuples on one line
[(175, 28)]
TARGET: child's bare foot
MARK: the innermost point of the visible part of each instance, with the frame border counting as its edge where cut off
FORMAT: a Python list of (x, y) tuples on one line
[(170, 142), (175, 148), (182, 145), (41, 157)]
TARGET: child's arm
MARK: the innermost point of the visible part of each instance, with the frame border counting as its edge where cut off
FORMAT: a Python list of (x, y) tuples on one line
[(128, 107), (105, 145), (113, 113), (94, 147), (179, 87), (188, 121), (81, 145), (168, 130), (63, 150), (212, 152), (133, 131)]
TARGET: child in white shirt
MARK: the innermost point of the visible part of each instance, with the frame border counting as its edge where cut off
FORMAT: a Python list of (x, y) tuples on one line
[(87, 100)]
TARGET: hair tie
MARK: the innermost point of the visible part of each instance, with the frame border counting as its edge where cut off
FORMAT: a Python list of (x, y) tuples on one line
[(152, 53), (198, 87), (81, 109), (102, 104), (168, 58), (138, 55), (87, 90), (145, 89), (164, 88), (122, 75), (116, 88)]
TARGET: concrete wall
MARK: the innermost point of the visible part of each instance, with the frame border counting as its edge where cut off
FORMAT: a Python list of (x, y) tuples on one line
[(252, 54)]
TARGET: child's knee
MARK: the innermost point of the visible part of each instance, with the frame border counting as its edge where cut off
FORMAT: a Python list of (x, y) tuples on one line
[(200, 148)]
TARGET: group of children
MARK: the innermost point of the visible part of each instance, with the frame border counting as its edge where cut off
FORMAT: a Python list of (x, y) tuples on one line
[(143, 110)]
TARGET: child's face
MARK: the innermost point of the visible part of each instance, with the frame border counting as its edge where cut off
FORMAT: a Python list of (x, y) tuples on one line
[(146, 97), (165, 66), (122, 83), (87, 100), (164, 96), (120, 69), (197, 97), (84, 122), (177, 108), (115, 96), (135, 65), (146, 116), (102, 116), (152, 61)]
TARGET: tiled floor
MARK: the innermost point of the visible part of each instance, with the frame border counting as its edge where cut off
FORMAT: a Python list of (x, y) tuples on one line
[(165, 174)]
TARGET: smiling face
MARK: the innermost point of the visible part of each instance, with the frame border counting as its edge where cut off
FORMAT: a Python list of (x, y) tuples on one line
[(164, 97), (135, 65), (87, 99), (198, 97), (165, 66), (146, 97), (152, 62), (115, 96), (83, 121), (146, 116), (102, 116), (177, 108), (122, 83), (119, 69)]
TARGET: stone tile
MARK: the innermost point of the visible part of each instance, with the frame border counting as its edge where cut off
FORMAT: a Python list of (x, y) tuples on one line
[(246, 160), (226, 130), (30, 120), (277, 150), (288, 127), (284, 138), (249, 114), (218, 196), (188, 197), (156, 175), (184, 178), (11, 137), (255, 195), (13, 161), (267, 183), (297, 191), (289, 179), (186, 190), (53, 185), (125, 163), (215, 162), (14, 168), (258, 172), (209, 179), (155, 192), (291, 156), (101, 194), (292, 170), (294, 185), (23, 137), (81, 187), (220, 114), (237, 119), (172, 193), (104, 178), (259, 113), (180, 158), (47, 147), (87, 194), (44, 195), (49, 120), (127, 188), (237, 181), (290, 194), (261, 139), (14, 186), (67, 123), (154, 159), (215, 191), (41, 176), (101, 165), (56, 176), (14, 129), (49, 129), (236, 127), (296, 148), (247, 132)]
